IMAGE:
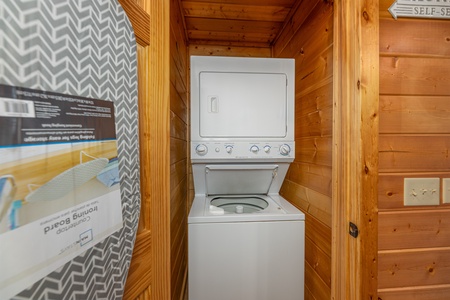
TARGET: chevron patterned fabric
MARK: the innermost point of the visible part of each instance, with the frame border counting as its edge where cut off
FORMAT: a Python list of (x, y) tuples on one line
[(85, 48)]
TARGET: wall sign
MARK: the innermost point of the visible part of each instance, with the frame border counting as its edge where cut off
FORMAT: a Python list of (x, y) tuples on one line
[(430, 9)]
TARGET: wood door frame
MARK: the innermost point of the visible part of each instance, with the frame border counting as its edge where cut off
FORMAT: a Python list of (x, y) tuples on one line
[(149, 274), (355, 149)]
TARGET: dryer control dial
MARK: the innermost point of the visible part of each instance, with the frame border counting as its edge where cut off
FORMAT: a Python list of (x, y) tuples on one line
[(267, 148), (201, 149), (229, 149), (285, 150), (254, 149)]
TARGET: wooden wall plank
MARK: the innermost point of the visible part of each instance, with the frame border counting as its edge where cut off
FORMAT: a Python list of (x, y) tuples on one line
[(414, 37), (414, 229), (178, 69), (402, 153), (242, 38), (178, 173), (178, 128), (308, 200), (178, 218), (229, 50), (319, 261), (179, 103), (414, 114), (411, 268), (235, 11), (178, 150), (242, 27), (315, 123), (315, 150), (178, 50), (319, 26), (178, 243), (384, 6), (312, 112), (319, 233), (318, 99), (293, 23), (439, 292), (316, 177), (314, 73), (414, 76), (315, 284)]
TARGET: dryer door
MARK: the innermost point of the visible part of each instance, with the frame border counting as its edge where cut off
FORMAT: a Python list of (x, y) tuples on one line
[(242, 105)]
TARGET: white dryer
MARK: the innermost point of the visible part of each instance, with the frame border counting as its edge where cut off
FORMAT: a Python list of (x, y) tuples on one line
[(246, 242)]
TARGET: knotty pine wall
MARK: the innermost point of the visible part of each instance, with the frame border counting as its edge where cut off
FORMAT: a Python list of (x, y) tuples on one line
[(179, 163), (308, 37), (414, 141)]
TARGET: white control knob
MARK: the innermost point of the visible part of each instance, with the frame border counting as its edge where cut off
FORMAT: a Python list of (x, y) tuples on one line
[(267, 148), (201, 149), (254, 149), (285, 149), (229, 149)]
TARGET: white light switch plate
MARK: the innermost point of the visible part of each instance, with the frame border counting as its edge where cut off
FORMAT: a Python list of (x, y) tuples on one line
[(421, 191), (446, 190)]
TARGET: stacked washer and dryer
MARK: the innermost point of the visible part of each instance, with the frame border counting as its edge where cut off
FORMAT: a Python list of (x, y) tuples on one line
[(246, 242)]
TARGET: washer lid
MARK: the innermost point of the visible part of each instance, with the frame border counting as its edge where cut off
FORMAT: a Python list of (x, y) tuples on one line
[(239, 179)]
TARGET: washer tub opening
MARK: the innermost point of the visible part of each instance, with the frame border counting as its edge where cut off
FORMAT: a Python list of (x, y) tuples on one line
[(250, 204)]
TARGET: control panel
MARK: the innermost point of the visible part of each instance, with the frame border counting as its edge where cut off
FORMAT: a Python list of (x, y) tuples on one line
[(242, 150)]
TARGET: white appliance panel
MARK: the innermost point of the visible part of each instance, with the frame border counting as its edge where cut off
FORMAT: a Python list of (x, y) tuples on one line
[(243, 105), (246, 261), (237, 99)]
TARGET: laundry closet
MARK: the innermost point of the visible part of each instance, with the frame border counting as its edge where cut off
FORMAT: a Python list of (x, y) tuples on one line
[(352, 150), (299, 30)]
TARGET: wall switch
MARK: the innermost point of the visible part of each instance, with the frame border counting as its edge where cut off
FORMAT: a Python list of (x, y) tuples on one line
[(446, 190), (421, 191)]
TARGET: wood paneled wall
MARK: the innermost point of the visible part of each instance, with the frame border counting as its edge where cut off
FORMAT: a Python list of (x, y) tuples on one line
[(228, 50), (414, 241), (308, 37), (179, 124)]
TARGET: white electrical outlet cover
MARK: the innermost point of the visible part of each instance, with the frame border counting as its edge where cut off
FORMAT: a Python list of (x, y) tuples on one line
[(446, 190), (421, 191)]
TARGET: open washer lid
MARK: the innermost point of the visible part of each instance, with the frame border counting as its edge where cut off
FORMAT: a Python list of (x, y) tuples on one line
[(239, 179)]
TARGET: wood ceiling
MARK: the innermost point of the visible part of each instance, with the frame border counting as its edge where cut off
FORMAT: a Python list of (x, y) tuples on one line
[(249, 23)]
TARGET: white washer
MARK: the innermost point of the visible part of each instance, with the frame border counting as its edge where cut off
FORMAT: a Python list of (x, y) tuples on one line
[(246, 242)]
